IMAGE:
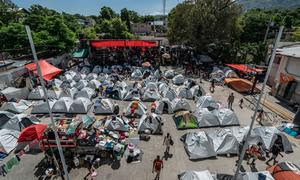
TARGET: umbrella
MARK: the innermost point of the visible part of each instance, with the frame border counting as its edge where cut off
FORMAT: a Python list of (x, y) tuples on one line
[(32, 132), (146, 64), (166, 55)]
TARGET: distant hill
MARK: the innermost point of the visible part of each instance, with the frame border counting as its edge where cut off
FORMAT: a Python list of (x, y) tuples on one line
[(269, 4)]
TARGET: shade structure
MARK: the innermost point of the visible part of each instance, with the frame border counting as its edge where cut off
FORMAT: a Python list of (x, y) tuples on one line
[(240, 85), (32, 132), (285, 171), (244, 68), (121, 43), (48, 71)]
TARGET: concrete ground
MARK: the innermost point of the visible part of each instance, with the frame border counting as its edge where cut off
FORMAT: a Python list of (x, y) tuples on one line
[(178, 163)]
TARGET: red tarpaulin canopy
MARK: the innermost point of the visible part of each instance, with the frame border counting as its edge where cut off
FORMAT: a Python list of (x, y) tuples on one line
[(32, 132), (48, 71), (244, 68), (122, 43)]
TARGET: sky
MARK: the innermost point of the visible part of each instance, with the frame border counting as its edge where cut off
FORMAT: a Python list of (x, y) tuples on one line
[(92, 7)]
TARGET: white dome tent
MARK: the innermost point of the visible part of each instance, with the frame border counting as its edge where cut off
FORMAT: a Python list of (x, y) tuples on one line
[(136, 74), (150, 95), (55, 93), (16, 107), (169, 74), (80, 105), (132, 94), (116, 124), (152, 123), (184, 92), (94, 84), (81, 84), (97, 69), (56, 82), (178, 79), (196, 91), (91, 76), (69, 92), (138, 112), (227, 117), (104, 106), (163, 87), (62, 105), (42, 107), (206, 101), (169, 93), (163, 105), (86, 92), (36, 94), (180, 104)]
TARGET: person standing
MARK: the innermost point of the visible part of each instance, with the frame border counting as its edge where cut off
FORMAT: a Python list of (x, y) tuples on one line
[(157, 166), (241, 103), (212, 86), (275, 150), (167, 142), (230, 100)]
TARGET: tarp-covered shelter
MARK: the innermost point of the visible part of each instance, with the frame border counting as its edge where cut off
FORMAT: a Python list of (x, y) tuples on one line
[(151, 95), (104, 106), (80, 105), (244, 68), (179, 104), (185, 120), (196, 175), (240, 85), (8, 140), (198, 145), (178, 79), (16, 93), (224, 141), (163, 106), (230, 74), (135, 109), (48, 71), (16, 107), (62, 105), (184, 92), (42, 107), (36, 94), (151, 123), (86, 92), (285, 171), (19, 122)]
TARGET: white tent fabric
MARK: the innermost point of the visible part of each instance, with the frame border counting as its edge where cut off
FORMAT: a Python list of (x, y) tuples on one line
[(80, 105), (97, 69), (139, 112), (8, 140), (169, 74), (239, 132), (132, 95), (163, 87), (196, 91), (178, 79), (19, 122), (254, 175), (196, 175), (14, 107), (116, 124), (162, 104), (207, 118), (85, 92), (206, 101), (104, 106), (227, 117), (62, 105), (119, 93), (81, 84), (169, 93), (224, 141), (85, 70), (184, 92), (151, 95), (94, 84), (180, 104), (55, 93), (68, 76), (69, 92), (151, 85), (230, 74), (17, 93), (102, 77), (56, 82), (198, 145), (150, 123), (91, 76), (42, 107), (79, 77), (269, 135), (106, 70), (36, 94)]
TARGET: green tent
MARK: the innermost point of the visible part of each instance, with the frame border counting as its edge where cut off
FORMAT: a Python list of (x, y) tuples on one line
[(185, 120), (80, 53)]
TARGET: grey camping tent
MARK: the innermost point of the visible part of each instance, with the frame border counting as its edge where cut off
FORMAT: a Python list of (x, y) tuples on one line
[(69, 92), (86, 92), (116, 124), (255, 175), (19, 122), (16, 107), (151, 123), (180, 104), (8, 140), (55, 93), (132, 94), (198, 145), (81, 84), (36, 94), (227, 117), (136, 74), (207, 101), (196, 175), (178, 79), (150, 95), (94, 84), (169, 93), (138, 112), (163, 105), (104, 106), (184, 92), (80, 105), (62, 105), (169, 74), (17, 93), (197, 91), (42, 107)]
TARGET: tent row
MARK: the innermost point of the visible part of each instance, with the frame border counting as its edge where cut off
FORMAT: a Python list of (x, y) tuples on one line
[(80, 105), (199, 145)]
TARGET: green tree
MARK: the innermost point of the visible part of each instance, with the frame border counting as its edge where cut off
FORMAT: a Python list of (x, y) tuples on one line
[(88, 33), (125, 17), (296, 34), (107, 13)]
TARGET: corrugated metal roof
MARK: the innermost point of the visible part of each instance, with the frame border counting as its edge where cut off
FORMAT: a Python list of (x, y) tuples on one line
[(292, 52)]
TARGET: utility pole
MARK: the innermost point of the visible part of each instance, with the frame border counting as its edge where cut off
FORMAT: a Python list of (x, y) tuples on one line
[(35, 58), (268, 28), (257, 104)]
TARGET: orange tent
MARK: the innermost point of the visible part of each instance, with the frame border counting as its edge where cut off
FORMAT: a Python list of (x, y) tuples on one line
[(285, 171), (240, 85), (48, 71), (31, 133)]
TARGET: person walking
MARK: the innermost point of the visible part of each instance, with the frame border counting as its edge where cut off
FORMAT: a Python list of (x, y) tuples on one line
[(241, 103), (275, 150), (255, 152), (157, 166), (212, 86), (167, 142), (230, 100)]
